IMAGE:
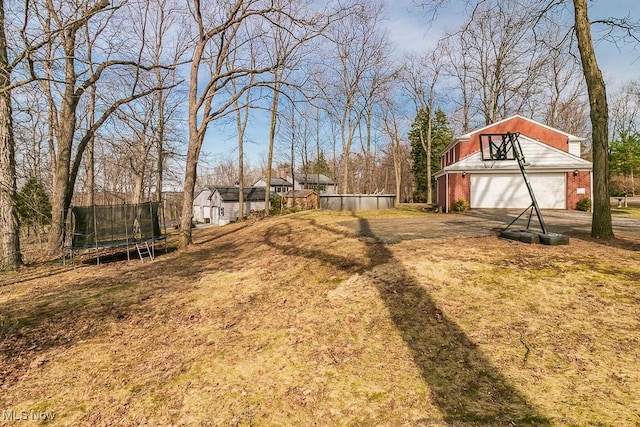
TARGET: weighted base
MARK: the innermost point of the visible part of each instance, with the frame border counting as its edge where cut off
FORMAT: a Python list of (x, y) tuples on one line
[(553, 239), (521, 236), (528, 236)]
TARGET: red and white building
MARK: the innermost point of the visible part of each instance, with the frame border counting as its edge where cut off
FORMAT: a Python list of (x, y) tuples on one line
[(558, 176)]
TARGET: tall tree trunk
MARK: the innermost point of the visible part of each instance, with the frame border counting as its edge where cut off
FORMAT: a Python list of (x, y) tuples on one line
[(241, 173), (138, 192), (11, 256), (196, 138), (193, 153), (160, 97), (601, 226), (397, 168), (272, 137), (61, 191)]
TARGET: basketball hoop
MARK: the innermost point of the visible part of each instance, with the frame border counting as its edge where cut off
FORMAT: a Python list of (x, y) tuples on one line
[(496, 147)]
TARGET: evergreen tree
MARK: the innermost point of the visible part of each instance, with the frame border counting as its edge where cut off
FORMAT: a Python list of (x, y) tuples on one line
[(321, 165), (34, 207), (624, 158), (441, 136)]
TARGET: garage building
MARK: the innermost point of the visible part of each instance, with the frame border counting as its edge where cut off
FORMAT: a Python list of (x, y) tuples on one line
[(558, 176)]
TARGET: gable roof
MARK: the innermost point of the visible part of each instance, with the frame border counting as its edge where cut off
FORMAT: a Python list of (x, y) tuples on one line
[(538, 155), (232, 194), (275, 182), (468, 135)]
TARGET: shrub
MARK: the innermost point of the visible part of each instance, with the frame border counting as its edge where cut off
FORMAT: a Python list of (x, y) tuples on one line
[(584, 204), (460, 205)]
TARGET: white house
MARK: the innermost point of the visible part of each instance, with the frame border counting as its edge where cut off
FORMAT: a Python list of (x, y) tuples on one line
[(220, 205), (558, 176), (283, 183), (278, 185)]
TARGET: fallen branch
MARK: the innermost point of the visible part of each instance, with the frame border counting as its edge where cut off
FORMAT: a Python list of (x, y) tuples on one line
[(526, 355)]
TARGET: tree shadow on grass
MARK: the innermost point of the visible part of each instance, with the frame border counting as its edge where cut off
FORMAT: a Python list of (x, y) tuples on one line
[(464, 384)]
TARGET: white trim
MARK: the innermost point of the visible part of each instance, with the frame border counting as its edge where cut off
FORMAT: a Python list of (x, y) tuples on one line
[(446, 189), (467, 136), (569, 162)]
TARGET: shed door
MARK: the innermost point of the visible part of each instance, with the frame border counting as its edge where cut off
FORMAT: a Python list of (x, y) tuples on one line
[(216, 215), (510, 190)]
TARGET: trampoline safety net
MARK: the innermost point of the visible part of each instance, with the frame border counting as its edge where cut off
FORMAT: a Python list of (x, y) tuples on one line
[(110, 226)]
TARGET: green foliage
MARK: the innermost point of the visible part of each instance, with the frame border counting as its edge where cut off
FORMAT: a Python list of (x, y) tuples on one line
[(584, 204), (276, 205), (321, 165), (460, 205), (624, 154), (441, 136), (34, 207)]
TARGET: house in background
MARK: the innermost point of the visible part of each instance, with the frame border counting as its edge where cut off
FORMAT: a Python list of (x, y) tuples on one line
[(322, 184), (318, 182), (558, 176), (278, 185), (221, 205)]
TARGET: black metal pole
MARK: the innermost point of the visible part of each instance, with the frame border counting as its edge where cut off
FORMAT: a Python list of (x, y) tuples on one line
[(517, 151)]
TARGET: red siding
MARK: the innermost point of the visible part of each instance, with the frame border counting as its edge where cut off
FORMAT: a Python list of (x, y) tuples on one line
[(459, 188), (582, 180), (532, 130), (517, 124)]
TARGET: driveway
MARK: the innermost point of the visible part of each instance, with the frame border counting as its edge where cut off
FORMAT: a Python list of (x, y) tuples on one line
[(485, 222)]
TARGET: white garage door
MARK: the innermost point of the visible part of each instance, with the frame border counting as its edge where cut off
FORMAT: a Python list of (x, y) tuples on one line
[(510, 191)]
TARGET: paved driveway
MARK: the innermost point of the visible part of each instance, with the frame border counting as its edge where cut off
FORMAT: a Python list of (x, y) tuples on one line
[(484, 222)]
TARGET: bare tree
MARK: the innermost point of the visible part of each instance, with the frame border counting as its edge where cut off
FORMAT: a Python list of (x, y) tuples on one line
[(11, 256), (218, 35), (625, 109), (420, 77), (359, 45), (61, 68), (500, 58), (392, 130), (601, 226)]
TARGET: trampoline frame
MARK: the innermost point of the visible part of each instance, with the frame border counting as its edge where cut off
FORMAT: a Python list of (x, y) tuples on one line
[(89, 237)]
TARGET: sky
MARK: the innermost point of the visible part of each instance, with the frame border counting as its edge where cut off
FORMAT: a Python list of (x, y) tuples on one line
[(411, 31)]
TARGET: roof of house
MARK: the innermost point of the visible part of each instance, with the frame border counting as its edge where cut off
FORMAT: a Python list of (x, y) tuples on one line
[(276, 182), (299, 193), (468, 135), (313, 178), (538, 155), (232, 194)]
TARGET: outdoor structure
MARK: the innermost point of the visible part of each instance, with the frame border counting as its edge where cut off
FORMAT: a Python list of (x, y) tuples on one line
[(303, 199), (357, 202), (322, 184), (221, 205), (101, 227), (558, 176), (502, 147)]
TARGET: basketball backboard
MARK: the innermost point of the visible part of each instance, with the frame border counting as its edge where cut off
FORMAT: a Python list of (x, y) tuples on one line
[(498, 146)]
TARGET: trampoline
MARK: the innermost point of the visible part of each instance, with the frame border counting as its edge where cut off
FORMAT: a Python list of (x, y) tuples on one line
[(102, 227)]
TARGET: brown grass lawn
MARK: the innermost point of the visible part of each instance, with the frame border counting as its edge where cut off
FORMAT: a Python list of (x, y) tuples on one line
[(296, 321)]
